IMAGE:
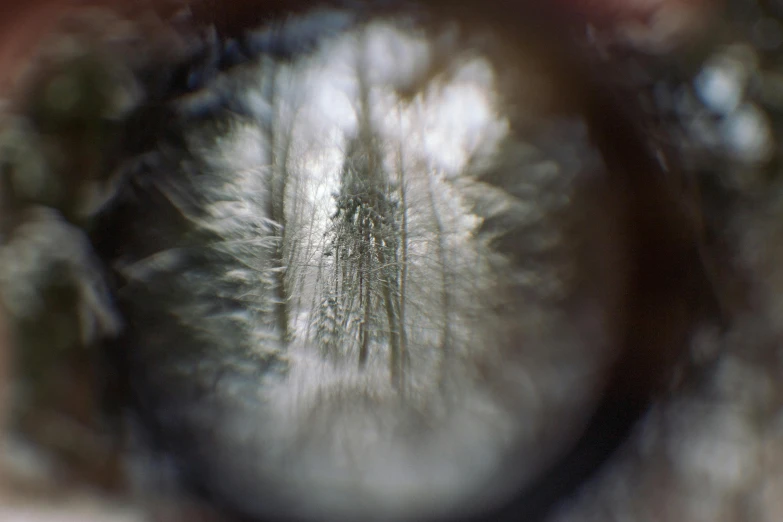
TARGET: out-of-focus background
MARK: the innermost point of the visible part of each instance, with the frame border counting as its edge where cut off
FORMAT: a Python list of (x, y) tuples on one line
[(709, 78)]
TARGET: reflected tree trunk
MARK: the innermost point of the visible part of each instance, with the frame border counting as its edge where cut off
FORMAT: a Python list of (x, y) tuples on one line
[(403, 362), (277, 214), (445, 295), (395, 360), (279, 142), (364, 299)]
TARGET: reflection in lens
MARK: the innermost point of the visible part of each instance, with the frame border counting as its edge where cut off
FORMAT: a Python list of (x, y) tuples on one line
[(348, 296)]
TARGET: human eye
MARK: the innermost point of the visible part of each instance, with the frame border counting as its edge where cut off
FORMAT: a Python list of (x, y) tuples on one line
[(394, 262)]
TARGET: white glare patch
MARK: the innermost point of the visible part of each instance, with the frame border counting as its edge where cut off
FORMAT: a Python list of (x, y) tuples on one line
[(398, 59), (746, 133), (457, 116), (720, 85)]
